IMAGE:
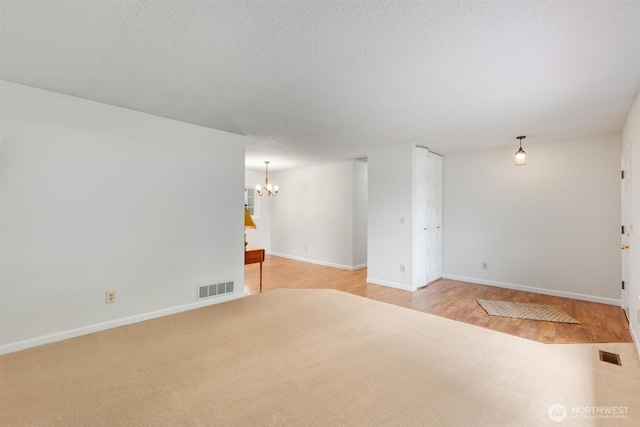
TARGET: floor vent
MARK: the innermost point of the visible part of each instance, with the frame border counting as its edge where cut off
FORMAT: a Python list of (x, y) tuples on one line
[(614, 358), (208, 291)]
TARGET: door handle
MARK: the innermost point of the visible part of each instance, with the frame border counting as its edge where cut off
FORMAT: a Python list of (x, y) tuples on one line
[(624, 247)]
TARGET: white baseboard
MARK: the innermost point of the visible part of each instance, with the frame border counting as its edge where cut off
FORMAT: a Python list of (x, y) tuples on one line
[(73, 333), (326, 264), (583, 297), (396, 285)]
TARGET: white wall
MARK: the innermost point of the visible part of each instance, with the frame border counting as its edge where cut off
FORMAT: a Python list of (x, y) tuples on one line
[(97, 198), (261, 235), (552, 226), (631, 133), (390, 174), (313, 216)]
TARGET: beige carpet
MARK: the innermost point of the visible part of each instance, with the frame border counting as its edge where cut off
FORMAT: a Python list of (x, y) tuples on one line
[(523, 310), (314, 358)]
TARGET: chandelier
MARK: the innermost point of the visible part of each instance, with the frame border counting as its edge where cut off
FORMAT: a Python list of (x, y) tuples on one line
[(268, 188)]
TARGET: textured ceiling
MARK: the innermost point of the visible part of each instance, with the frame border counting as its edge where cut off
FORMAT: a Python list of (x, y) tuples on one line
[(312, 82)]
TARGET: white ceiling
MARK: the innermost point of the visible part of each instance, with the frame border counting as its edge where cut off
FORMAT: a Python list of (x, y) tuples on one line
[(311, 82)]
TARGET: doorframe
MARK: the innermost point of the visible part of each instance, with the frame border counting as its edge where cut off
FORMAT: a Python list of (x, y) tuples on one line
[(625, 213), (627, 225)]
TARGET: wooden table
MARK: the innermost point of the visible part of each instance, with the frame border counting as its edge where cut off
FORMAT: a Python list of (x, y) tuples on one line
[(253, 255)]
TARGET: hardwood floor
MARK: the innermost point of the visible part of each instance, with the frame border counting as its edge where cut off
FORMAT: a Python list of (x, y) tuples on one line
[(452, 299)]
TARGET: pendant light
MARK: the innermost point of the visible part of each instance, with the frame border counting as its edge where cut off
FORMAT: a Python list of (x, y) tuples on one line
[(271, 190), (521, 155)]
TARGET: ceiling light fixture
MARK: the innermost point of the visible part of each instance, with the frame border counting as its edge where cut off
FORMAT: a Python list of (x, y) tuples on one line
[(270, 189), (521, 155)]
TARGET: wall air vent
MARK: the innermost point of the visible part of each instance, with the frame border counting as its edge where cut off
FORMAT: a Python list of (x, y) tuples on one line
[(215, 289)]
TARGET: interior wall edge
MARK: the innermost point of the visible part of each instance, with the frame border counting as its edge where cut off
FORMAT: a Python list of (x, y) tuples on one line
[(636, 339)]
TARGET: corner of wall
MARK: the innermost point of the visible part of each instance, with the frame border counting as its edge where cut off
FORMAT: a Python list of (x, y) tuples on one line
[(631, 136)]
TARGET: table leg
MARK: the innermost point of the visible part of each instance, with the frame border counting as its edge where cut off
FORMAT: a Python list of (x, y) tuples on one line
[(260, 276)]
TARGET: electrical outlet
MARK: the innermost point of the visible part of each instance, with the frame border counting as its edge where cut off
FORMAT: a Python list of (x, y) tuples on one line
[(401, 268), (401, 220), (110, 297), (639, 316), (485, 265)]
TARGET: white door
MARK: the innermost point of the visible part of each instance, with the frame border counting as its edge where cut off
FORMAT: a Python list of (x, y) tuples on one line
[(431, 235), (435, 217), (420, 220), (427, 218), (626, 224)]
